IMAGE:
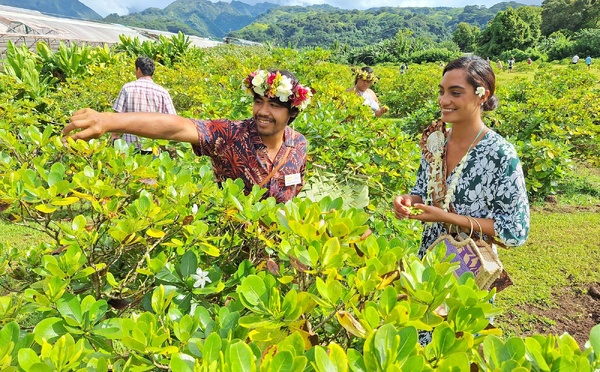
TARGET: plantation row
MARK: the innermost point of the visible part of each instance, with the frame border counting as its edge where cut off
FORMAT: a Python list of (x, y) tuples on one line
[(300, 286)]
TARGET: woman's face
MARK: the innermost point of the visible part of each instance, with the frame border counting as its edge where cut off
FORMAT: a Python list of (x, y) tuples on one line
[(457, 99), (363, 85)]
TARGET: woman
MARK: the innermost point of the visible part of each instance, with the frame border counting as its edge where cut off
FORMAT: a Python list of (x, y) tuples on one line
[(468, 173), (362, 86)]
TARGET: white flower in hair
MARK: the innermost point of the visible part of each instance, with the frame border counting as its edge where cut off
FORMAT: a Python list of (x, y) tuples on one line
[(480, 91), (259, 82), (284, 89)]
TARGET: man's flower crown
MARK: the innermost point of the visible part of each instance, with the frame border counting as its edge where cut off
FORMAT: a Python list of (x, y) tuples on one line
[(275, 85), (365, 75)]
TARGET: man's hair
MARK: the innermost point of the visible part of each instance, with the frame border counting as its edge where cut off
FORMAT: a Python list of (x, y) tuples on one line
[(146, 65)]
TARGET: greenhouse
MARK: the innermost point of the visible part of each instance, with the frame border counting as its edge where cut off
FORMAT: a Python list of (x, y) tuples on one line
[(22, 26)]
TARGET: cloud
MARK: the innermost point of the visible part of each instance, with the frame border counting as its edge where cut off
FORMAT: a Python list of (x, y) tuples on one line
[(123, 7)]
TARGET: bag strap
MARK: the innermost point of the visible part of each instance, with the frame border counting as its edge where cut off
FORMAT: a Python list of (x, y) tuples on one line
[(276, 168)]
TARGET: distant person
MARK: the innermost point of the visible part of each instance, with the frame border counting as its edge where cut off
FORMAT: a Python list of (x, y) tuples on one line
[(588, 61), (262, 150), (363, 78), (403, 68), (575, 59), (142, 95), (528, 60), (499, 65), (511, 63)]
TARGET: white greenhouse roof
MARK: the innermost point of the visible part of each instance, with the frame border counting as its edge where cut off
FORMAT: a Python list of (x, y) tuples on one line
[(28, 26)]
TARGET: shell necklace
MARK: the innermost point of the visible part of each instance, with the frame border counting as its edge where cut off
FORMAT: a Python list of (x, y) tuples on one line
[(457, 172)]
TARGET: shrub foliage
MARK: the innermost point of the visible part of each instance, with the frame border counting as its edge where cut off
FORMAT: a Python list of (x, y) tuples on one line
[(151, 266)]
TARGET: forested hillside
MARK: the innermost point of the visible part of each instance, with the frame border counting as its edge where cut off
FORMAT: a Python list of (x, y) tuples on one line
[(65, 8), (304, 26), (298, 26), (196, 17)]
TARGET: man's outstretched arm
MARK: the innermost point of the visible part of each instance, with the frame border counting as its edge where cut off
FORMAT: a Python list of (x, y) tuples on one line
[(86, 124)]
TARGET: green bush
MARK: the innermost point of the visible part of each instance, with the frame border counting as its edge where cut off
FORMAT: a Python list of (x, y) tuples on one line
[(149, 265)]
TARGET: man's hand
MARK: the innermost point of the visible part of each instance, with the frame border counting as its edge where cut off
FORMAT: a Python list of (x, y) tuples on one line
[(92, 124)]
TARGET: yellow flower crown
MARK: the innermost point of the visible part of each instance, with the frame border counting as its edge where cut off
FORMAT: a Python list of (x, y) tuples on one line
[(364, 75)]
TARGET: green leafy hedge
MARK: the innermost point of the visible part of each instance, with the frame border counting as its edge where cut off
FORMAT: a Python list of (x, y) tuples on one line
[(151, 266)]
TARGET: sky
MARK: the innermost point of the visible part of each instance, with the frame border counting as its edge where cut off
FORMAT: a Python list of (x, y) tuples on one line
[(123, 7)]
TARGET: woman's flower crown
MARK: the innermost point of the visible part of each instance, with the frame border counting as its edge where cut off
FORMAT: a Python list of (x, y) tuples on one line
[(275, 85), (365, 75)]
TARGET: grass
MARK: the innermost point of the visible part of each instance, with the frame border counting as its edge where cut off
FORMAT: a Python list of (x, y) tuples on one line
[(560, 255)]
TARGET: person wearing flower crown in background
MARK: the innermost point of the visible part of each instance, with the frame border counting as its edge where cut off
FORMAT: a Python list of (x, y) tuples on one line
[(363, 79), (262, 150), (468, 173)]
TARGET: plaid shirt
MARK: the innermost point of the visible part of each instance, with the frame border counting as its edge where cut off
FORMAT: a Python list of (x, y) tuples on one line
[(237, 151), (143, 95)]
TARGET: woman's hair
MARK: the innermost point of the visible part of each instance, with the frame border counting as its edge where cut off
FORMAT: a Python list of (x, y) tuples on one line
[(479, 73)]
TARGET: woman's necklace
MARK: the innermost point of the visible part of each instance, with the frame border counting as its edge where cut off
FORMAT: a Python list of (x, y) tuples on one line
[(457, 172)]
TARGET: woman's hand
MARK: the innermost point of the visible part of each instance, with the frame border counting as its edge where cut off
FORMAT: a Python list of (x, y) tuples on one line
[(403, 205)]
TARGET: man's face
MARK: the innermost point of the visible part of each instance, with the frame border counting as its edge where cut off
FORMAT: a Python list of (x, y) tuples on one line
[(270, 116)]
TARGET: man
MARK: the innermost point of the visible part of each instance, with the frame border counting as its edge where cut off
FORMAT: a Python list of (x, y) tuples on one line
[(575, 59), (262, 150), (142, 95)]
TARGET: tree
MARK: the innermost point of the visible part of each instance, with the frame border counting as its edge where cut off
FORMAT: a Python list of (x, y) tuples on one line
[(572, 15), (532, 16), (506, 31), (466, 36)]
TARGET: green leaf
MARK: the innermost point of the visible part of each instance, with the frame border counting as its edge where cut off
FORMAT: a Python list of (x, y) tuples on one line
[(49, 329), (212, 348), (595, 339), (155, 233), (254, 291), (188, 265), (182, 362), (69, 307), (322, 361), (283, 361), (27, 359), (45, 208), (241, 357)]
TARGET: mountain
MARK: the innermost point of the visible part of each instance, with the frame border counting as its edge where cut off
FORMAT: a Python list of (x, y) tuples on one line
[(196, 17), (325, 25), (60, 8)]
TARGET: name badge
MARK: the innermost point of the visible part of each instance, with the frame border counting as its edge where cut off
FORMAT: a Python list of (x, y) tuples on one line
[(293, 179)]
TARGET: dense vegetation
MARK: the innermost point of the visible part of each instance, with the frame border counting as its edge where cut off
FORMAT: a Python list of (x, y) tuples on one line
[(120, 283)]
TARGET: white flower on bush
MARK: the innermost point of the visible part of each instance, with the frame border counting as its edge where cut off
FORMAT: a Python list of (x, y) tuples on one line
[(480, 91), (194, 208), (200, 278)]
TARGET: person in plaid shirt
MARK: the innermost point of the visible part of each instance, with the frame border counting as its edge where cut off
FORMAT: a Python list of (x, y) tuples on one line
[(143, 95), (263, 150)]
